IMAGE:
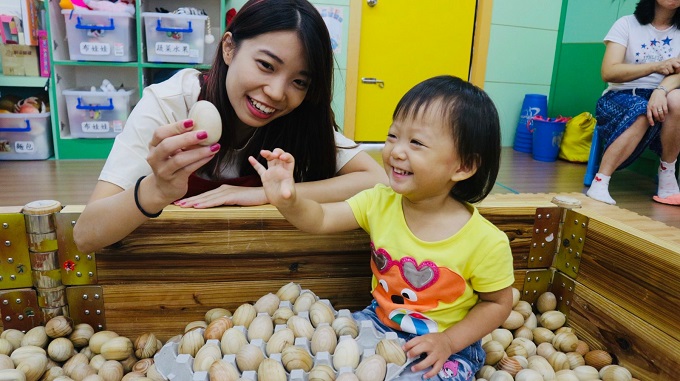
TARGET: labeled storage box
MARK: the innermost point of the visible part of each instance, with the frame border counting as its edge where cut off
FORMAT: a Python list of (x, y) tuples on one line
[(94, 114), (174, 38), (25, 136), (21, 60), (100, 36)]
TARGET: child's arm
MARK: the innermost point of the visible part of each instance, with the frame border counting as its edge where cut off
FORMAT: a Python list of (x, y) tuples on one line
[(305, 214), (491, 311)]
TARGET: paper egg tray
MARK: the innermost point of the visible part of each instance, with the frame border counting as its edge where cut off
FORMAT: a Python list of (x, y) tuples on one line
[(179, 367)]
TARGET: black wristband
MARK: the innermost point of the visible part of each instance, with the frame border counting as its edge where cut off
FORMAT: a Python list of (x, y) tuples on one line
[(139, 206)]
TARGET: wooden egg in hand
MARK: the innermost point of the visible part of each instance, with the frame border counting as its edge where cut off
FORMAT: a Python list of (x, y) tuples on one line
[(207, 118)]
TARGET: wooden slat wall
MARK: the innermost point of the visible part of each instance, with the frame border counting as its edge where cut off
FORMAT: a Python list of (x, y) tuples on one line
[(627, 297), (173, 269), (649, 353)]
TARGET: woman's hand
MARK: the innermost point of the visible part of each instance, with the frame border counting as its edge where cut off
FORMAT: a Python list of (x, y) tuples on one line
[(277, 178), (657, 107), (226, 195), (174, 154), (667, 67)]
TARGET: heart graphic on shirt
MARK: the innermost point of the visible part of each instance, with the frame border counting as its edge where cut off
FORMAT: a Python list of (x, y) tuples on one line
[(380, 257), (420, 276)]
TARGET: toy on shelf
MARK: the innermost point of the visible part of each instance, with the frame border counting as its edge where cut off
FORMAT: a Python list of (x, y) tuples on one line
[(12, 104), (99, 5), (209, 38)]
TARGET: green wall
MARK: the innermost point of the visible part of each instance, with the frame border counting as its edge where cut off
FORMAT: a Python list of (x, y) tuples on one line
[(521, 55)]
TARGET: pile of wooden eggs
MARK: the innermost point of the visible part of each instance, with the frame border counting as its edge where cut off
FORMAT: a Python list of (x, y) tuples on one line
[(60, 351), (287, 336), (535, 345), (281, 334)]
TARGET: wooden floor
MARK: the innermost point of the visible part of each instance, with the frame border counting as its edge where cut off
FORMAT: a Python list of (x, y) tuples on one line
[(72, 181)]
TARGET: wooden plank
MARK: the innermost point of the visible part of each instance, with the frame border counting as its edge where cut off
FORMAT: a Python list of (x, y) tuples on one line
[(649, 353), (643, 270), (165, 309), (175, 268)]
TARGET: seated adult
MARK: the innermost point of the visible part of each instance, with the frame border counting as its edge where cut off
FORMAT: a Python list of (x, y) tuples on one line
[(640, 108)]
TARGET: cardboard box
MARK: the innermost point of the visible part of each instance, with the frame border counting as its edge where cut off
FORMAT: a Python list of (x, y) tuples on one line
[(19, 60)]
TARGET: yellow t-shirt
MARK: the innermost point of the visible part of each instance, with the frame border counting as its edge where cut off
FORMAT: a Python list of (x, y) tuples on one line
[(424, 287)]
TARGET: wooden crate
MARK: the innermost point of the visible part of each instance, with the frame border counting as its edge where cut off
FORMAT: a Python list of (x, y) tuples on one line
[(171, 270)]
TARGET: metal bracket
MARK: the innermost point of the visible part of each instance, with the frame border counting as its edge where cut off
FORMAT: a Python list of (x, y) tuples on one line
[(19, 309), (76, 268), (544, 237), (536, 282), (86, 305), (15, 263), (573, 239), (563, 288)]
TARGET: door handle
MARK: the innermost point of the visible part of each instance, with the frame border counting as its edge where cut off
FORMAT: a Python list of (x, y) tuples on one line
[(372, 3), (373, 81)]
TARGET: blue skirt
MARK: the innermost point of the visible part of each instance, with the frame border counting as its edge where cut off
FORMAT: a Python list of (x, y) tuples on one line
[(616, 111)]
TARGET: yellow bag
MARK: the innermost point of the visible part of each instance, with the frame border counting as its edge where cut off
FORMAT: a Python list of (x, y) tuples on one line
[(578, 134)]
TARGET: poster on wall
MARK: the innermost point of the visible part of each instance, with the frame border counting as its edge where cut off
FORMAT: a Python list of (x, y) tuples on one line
[(333, 17)]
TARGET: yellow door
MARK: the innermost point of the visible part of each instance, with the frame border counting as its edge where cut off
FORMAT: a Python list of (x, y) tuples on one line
[(402, 43)]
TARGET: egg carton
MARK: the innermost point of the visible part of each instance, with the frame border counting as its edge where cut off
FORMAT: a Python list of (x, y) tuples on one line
[(325, 358), (179, 367)]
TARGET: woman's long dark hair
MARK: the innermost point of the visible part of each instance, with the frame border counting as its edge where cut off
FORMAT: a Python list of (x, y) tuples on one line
[(307, 131), (644, 13)]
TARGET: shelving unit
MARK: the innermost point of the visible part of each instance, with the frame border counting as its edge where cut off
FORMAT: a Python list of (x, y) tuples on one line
[(67, 74), (18, 81)]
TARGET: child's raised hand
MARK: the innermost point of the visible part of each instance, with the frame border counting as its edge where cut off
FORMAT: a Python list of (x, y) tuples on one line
[(277, 178), (438, 349)]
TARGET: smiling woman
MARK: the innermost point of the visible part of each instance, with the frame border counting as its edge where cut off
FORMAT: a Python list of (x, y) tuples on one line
[(271, 82)]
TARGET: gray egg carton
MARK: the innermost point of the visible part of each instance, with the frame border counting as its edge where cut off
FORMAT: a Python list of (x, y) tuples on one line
[(179, 367)]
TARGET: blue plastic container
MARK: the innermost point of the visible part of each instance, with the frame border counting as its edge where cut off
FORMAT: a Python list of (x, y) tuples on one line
[(547, 139), (533, 105)]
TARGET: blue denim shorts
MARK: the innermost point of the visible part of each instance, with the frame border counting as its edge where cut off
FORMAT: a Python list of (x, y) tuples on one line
[(461, 366)]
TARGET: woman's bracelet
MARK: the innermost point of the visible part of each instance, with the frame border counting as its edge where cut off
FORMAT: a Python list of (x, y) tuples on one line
[(139, 206), (661, 87)]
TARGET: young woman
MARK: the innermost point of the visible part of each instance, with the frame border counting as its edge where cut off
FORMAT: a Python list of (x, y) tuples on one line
[(271, 82), (641, 108)]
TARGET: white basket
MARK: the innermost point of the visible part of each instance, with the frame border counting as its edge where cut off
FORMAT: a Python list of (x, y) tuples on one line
[(94, 114), (174, 38), (100, 36), (25, 136)]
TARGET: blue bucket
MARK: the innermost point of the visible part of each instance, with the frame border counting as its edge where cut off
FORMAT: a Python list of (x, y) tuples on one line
[(547, 138), (533, 105)]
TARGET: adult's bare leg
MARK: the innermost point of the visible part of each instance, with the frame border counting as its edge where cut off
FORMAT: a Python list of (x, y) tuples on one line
[(614, 156)]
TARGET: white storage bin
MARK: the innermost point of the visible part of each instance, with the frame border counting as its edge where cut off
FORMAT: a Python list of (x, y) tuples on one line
[(100, 36), (25, 136), (95, 114), (174, 38)]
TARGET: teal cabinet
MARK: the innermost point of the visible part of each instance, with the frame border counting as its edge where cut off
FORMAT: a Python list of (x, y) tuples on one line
[(139, 73), (577, 84), (133, 75), (588, 21)]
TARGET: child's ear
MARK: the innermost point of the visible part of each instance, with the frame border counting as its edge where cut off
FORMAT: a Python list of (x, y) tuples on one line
[(465, 172)]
